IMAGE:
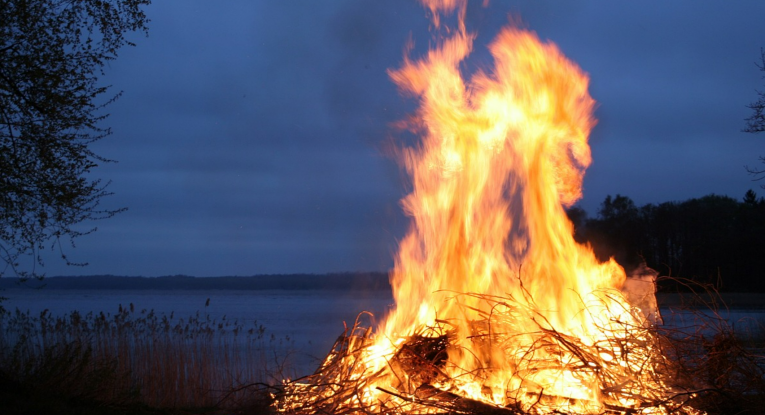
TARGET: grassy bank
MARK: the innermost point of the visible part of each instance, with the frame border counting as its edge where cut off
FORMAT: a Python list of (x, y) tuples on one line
[(135, 361)]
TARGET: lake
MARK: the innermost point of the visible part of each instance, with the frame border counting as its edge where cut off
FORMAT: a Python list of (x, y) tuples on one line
[(308, 320)]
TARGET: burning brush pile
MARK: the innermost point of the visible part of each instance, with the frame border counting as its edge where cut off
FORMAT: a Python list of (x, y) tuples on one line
[(552, 372), (498, 309)]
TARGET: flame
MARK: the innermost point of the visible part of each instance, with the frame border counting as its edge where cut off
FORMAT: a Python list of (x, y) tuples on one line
[(501, 156), (489, 274), (499, 159)]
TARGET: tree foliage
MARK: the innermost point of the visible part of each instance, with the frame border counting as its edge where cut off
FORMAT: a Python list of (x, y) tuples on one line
[(713, 239), (52, 53), (755, 123)]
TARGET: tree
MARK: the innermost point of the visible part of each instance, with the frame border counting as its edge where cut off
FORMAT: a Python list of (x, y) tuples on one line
[(578, 218), (712, 240), (756, 122), (750, 198), (617, 232), (51, 109)]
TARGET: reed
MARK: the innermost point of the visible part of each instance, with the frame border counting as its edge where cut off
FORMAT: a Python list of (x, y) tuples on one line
[(723, 358), (143, 357)]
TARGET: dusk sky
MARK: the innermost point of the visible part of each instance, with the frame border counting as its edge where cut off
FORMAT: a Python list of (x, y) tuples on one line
[(251, 135)]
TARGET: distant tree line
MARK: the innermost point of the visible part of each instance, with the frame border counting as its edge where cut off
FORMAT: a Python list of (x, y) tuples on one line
[(349, 281), (712, 240)]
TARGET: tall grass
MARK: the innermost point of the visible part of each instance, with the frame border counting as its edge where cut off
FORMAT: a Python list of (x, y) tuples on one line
[(720, 357), (140, 356)]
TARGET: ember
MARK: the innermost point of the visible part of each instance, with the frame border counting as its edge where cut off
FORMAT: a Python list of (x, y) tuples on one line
[(498, 309)]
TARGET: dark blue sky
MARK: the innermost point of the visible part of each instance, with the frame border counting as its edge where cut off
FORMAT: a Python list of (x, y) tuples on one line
[(251, 134)]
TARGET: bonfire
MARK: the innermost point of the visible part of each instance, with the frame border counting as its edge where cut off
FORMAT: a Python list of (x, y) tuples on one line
[(498, 309)]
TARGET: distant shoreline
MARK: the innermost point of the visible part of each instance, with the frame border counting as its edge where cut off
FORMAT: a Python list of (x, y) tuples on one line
[(350, 282), (750, 301), (369, 281)]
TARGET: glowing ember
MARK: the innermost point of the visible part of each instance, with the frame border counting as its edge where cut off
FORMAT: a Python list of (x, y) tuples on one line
[(497, 307)]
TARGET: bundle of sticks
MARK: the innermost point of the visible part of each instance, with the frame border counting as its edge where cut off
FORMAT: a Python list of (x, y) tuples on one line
[(628, 368)]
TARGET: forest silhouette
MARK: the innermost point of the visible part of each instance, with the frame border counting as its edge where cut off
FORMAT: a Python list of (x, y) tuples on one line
[(712, 240)]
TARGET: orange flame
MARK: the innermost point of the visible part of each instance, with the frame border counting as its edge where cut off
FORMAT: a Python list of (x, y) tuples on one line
[(499, 158), (501, 155), (531, 319)]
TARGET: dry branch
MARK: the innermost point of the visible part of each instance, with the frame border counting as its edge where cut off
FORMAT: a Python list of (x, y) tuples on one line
[(627, 365)]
